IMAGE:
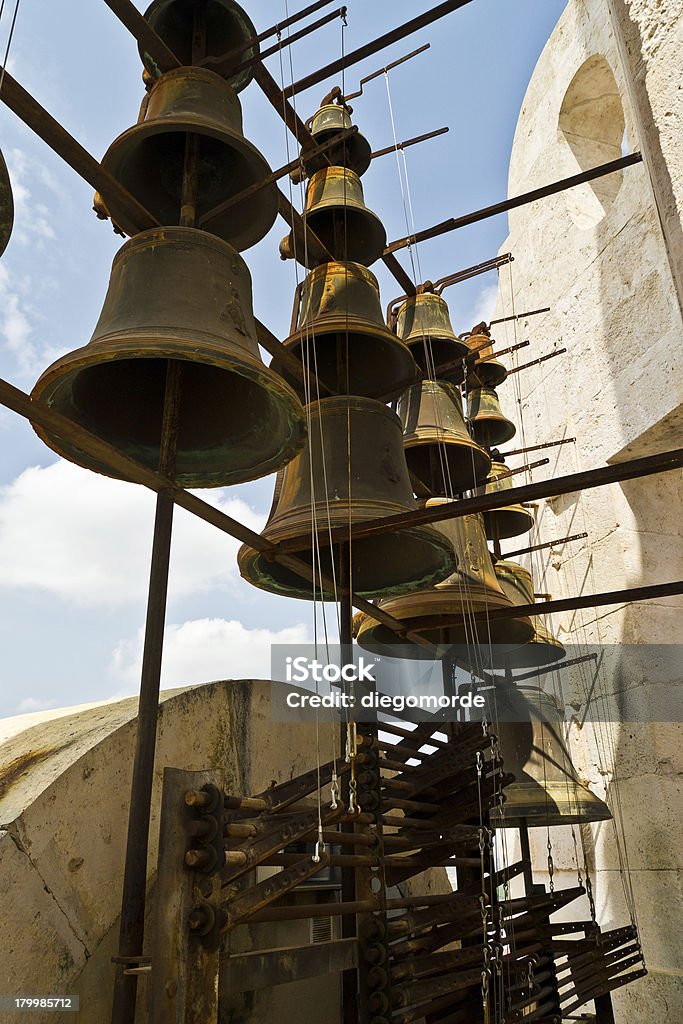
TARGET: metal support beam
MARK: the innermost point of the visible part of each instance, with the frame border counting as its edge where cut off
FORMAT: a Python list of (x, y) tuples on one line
[(565, 604), (71, 151), (513, 204), (558, 542), (422, 21), (263, 968), (141, 30)]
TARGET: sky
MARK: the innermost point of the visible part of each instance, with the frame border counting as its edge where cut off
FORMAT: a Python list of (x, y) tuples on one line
[(75, 546)]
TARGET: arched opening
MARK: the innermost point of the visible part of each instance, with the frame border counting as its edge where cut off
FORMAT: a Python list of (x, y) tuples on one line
[(592, 124)]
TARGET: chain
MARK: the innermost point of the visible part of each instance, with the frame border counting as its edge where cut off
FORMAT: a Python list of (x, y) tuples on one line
[(551, 865)]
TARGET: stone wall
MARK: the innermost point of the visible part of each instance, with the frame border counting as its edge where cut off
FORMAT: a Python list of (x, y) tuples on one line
[(607, 258)]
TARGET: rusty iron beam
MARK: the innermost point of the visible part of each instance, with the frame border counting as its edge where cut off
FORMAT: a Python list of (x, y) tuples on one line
[(629, 469), (409, 142), (394, 36), (548, 544), (539, 447), (454, 223), (64, 145), (142, 31), (628, 596), (293, 38), (519, 316), (535, 362), (385, 70)]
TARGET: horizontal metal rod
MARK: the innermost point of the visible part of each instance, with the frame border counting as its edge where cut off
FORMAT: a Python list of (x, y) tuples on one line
[(385, 70), (64, 145), (454, 364), (548, 544), (455, 278), (628, 596), (518, 469), (629, 469), (307, 910), (539, 447), (281, 172), (582, 659), (410, 142), (422, 21), (223, 61), (504, 351), (535, 362), (142, 31), (512, 204), (519, 316), (287, 41)]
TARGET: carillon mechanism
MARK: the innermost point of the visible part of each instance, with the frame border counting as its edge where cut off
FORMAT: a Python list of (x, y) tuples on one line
[(178, 294), (6, 205), (149, 158), (546, 790), (226, 30), (337, 214), (340, 334), (352, 470)]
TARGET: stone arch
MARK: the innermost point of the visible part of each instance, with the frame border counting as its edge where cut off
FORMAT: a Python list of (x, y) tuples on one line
[(592, 122)]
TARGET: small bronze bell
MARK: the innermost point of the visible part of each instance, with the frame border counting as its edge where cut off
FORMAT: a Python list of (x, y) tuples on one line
[(424, 324), (340, 331), (337, 214), (356, 443), (439, 450), (511, 520), (177, 294), (546, 791), (227, 27), (6, 205), (488, 424), (489, 370), (444, 614), (353, 152), (543, 648), (148, 159)]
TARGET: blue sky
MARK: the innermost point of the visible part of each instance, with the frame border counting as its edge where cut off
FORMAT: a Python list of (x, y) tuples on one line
[(74, 547)]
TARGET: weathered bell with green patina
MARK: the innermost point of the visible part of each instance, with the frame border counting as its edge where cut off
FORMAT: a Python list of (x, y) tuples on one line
[(543, 648), (489, 426), (423, 322), (509, 520), (353, 152), (177, 294)]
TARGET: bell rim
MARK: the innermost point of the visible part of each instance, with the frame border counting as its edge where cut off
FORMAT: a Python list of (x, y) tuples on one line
[(369, 631), (243, 78), (6, 205), (590, 809), (281, 393), (465, 477), (249, 560), (491, 379), (369, 257), (510, 525), (355, 325), (264, 198)]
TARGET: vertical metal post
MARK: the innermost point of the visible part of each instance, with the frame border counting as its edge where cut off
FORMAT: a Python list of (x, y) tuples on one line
[(604, 1011)]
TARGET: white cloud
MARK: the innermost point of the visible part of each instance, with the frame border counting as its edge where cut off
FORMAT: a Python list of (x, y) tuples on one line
[(29, 704), (87, 538), (202, 650), (485, 305)]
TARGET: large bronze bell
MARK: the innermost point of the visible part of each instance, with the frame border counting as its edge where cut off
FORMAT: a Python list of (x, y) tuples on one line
[(445, 614), (354, 445), (341, 334), (511, 520), (6, 205), (177, 294), (547, 790), (353, 152), (424, 324), (337, 214), (489, 370), (543, 648), (488, 424), (149, 158), (227, 27), (439, 450)]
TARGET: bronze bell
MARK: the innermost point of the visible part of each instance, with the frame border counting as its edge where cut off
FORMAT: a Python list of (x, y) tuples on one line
[(439, 450), (543, 648), (227, 27), (489, 370), (337, 214), (6, 205), (182, 294), (444, 615), (353, 152), (488, 424), (546, 791), (148, 159), (354, 443), (340, 331), (424, 324), (510, 520)]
